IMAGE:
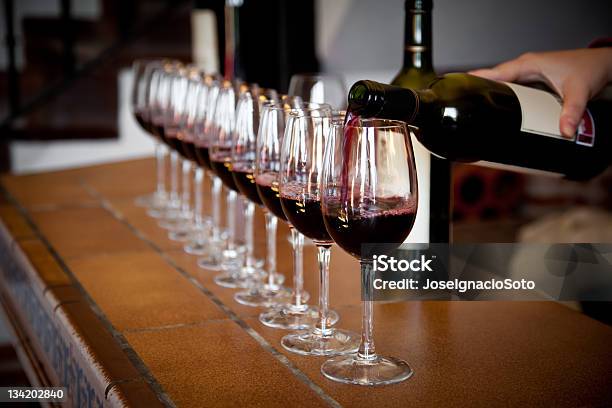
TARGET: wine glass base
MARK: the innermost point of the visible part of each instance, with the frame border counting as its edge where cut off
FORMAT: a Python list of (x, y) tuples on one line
[(228, 280), (315, 343), (157, 211), (289, 317), (262, 295), (244, 278), (195, 247), (354, 370), (180, 236), (177, 222), (234, 258), (210, 260)]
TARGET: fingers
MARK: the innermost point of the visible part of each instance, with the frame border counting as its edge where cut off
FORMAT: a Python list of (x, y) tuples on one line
[(575, 98), (522, 69), (488, 73)]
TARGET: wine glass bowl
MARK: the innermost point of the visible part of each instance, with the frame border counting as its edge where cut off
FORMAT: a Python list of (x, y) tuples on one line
[(221, 148), (374, 197)]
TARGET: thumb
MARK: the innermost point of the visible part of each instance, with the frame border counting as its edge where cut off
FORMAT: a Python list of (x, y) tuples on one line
[(575, 98)]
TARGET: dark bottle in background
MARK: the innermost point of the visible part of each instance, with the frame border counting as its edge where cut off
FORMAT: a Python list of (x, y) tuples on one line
[(416, 73), (470, 119)]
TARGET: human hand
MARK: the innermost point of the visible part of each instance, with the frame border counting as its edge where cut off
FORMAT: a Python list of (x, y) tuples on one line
[(576, 75)]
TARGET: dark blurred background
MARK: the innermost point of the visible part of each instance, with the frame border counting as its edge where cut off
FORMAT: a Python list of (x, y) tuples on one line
[(61, 58)]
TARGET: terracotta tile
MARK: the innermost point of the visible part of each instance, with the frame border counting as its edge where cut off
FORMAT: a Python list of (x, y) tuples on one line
[(93, 346), (110, 181), (78, 232), (47, 268), (133, 393), (148, 226), (500, 352), (15, 222), (47, 189), (218, 364), (139, 289), (444, 342), (344, 276), (206, 279)]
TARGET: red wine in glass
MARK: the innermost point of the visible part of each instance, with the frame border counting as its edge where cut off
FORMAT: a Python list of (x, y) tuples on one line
[(203, 156), (220, 161), (160, 132), (267, 187), (304, 212), (245, 181), (144, 124), (385, 220), (188, 149), (173, 141)]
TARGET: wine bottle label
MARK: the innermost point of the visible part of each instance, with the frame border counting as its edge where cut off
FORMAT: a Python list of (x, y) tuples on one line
[(541, 112)]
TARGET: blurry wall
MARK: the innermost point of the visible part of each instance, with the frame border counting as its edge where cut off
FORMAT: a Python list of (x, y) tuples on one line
[(365, 36), (82, 9), (133, 142)]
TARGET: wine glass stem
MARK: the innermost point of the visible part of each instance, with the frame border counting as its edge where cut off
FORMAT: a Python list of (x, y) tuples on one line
[(216, 210), (174, 197), (298, 267), (367, 350), (186, 189), (160, 155), (323, 257), (231, 219), (248, 232), (271, 223), (198, 202)]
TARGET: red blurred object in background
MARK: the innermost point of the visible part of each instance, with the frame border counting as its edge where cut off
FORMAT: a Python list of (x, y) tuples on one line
[(482, 193)]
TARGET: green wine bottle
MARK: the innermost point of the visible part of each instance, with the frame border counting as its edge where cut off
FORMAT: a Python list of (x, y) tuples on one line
[(416, 73)]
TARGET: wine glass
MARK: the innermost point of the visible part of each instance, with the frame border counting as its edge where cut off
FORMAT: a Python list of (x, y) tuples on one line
[(319, 87), (157, 99), (162, 114), (295, 313), (220, 157), (240, 165), (302, 153), (244, 156), (194, 231), (184, 98), (369, 195), (141, 74), (212, 258), (195, 130), (177, 219)]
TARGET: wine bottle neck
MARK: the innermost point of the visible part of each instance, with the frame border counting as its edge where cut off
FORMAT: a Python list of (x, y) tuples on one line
[(417, 36), (372, 99)]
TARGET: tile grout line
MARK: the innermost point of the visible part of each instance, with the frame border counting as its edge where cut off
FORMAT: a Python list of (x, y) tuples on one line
[(106, 204), (201, 323), (123, 343)]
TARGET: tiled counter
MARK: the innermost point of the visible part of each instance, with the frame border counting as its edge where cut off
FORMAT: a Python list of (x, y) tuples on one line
[(100, 301)]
